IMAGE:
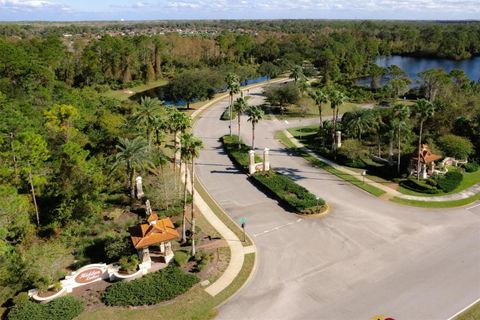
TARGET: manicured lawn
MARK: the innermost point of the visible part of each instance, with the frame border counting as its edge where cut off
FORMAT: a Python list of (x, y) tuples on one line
[(320, 164), (126, 93), (195, 304), (437, 204), (473, 313), (295, 111)]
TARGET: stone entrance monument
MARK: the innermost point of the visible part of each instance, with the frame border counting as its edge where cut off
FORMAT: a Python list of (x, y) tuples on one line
[(260, 166)]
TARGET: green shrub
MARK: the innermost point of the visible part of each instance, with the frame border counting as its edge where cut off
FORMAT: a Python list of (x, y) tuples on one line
[(203, 258), (238, 156), (117, 247), (129, 263), (450, 181), (63, 308), (153, 288), (419, 186), (181, 258), (226, 114), (292, 194), (471, 167)]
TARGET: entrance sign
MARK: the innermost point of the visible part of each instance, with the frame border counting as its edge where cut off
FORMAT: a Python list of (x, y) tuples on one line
[(89, 275)]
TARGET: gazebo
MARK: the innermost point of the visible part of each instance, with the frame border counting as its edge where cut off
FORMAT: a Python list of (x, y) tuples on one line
[(427, 162), (155, 232)]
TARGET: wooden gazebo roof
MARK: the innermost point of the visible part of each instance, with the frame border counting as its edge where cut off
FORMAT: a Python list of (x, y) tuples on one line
[(154, 232), (426, 155)]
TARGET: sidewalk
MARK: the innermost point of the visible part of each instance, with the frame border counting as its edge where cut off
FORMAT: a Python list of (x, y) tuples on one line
[(470, 192)]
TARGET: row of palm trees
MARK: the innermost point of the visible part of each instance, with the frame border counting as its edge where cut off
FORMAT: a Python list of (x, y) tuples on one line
[(136, 154)]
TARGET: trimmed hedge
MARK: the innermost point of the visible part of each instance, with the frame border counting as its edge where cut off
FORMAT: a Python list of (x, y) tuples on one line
[(471, 167), (419, 186), (226, 114), (281, 187), (63, 308), (153, 288), (294, 195), (450, 181), (239, 157)]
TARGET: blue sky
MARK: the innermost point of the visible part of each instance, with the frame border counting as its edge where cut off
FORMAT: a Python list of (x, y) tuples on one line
[(74, 10)]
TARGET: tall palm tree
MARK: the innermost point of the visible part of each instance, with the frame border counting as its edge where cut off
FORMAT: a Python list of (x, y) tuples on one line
[(337, 98), (255, 114), (133, 154), (185, 156), (401, 113), (425, 110), (178, 122), (240, 106), (194, 147), (319, 97), (303, 86), (297, 73), (233, 86), (147, 115)]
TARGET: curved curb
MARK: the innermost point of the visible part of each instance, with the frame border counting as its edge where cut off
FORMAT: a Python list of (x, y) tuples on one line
[(327, 208)]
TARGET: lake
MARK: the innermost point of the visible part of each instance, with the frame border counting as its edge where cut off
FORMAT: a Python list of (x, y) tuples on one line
[(413, 65)]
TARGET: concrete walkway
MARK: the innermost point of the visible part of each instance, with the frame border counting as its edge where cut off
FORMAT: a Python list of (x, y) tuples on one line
[(390, 193)]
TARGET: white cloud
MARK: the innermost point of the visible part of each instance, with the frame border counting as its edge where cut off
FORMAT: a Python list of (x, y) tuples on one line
[(29, 5)]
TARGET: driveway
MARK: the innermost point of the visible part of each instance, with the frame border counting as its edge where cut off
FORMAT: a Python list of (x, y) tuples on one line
[(367, 257)]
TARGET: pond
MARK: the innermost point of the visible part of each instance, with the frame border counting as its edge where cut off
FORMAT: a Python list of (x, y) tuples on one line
[(414, 65), (162, 93)]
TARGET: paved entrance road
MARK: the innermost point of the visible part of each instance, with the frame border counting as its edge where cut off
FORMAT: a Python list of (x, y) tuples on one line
[(367, 257)]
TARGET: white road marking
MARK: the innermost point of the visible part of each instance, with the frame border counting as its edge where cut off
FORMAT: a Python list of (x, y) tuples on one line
[(277, 228), (464, 309), (286, 122), (478, 205)]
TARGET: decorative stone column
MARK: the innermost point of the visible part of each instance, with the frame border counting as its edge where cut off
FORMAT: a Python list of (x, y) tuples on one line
[(424, 171), (251, 162), (266, 159), (338, 143), (149, 207), (168, 252), (139, 187)]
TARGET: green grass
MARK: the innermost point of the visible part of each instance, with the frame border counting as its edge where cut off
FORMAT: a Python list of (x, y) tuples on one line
[(320, 164), (472, 313), (195, 304), (295, 111), (126, 93), (437, 204)]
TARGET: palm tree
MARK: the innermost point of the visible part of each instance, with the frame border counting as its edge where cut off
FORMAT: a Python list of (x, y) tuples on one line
[(233, 86), (132, 153), (401, 113), (337, 98), (319, 97), (424, 109), (303, 86), (194, 147), (240, 106), (185, 156), (255, 114), (177, 122), (359, 123), (297, 73), (147, 115)]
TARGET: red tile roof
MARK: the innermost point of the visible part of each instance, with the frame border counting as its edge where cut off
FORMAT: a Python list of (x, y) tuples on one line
[(155, 232)]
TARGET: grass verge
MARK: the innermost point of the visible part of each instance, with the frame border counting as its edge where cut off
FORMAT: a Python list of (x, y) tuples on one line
[(320, 164), (472, 313), (195, 304), (220, 213), (437, 204)]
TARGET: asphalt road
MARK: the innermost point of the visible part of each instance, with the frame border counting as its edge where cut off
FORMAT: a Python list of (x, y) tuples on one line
[(368, 257)]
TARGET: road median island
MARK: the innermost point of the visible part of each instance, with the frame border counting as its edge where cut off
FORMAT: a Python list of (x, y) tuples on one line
[(290, 195)]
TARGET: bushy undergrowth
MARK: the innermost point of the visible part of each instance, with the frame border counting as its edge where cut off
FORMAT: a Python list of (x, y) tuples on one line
[(450, 181), (151, 289), (419, 186), (471, 167), (238, 156), (63, 308)]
